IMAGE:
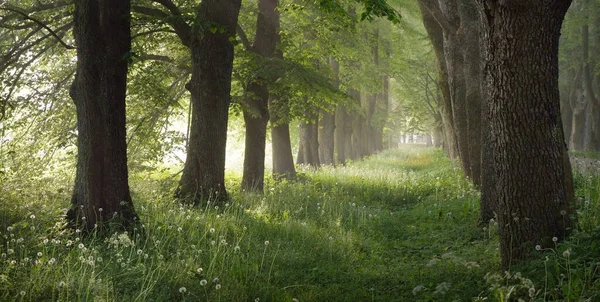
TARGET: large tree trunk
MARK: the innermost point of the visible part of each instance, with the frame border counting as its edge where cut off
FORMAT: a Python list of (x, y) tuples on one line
[(103, 37), (256, 115), (203, 175), (533, 179), (283, 160)]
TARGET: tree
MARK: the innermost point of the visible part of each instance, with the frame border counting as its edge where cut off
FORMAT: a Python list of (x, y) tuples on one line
[(256, 113), (533, 188), (103, 37), (212, 52)]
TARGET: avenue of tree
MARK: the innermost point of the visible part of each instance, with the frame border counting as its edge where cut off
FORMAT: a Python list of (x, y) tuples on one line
[(352, 74)]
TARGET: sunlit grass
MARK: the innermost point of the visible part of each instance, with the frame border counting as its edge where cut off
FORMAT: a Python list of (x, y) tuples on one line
[(399, 226)]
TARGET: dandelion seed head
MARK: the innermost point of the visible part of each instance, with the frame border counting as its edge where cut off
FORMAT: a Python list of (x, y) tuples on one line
[(218, 286), (267, 242), (203, 282), (182, 290), (554, 239), (538, 247)]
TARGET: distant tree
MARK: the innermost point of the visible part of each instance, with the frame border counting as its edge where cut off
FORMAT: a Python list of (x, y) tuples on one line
[(533, 180), (103, 38)]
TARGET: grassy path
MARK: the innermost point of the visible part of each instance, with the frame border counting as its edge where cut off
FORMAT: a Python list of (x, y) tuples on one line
[(400, 226)]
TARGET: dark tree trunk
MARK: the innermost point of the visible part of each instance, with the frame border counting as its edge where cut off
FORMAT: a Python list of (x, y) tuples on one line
[(203, 175), (436, 35), (532, 172), (357, 130), (103, 38), (256, 115), (283, 160)]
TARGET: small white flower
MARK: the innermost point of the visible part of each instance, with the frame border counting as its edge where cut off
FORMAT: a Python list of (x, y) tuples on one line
[(81, 246), (51, 261), (212, 230), (236, 248), (100, 209), (45, 241), (267, 242), (199, 270), (10, 228), (39, 254), (554, 239), (538, 248), (139, 252), (182, 290), (215, 280), (203, 282), (218, 286), (567, 253), (22, 293), (61, 284), (32, 216), (11, 251)]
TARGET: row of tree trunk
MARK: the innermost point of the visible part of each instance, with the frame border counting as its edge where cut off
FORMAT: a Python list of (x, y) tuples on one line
[(498, 72)]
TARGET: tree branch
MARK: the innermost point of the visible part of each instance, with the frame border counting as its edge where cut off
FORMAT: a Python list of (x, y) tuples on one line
[(67, 46), (242, 34), (182, 29)]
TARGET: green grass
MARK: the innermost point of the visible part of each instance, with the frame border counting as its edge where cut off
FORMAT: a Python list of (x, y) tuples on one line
[(399, 226), (585, 154)]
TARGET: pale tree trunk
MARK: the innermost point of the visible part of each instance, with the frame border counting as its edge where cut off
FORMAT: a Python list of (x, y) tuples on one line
[(579, 104), (283, 160), (436, 35), (328, 125), (456, 79), (469, 29), (533, 180), (103, 38)]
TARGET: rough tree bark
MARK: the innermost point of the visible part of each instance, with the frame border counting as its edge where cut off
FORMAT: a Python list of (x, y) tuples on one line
[(203, 175), (103, 38), (533, 178), (256, 115)]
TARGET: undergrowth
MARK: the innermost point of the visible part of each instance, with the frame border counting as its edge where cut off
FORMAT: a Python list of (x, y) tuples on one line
[(399, 226)]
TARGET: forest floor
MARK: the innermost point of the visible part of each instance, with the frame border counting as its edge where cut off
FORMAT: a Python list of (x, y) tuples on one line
[(399, 226)]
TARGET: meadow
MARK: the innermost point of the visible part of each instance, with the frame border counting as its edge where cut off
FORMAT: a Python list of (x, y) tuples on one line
[(398, 226)]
